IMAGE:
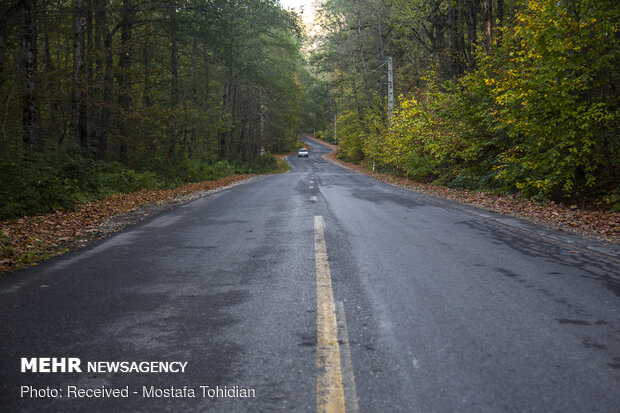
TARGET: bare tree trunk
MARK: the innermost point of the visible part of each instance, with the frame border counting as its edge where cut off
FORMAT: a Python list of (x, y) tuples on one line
[(55, 127), (226, 99), (30, 120), (97, 70), (174, 84), (147, 56), (472, 32), (191, 137), (174, 59), (90, 71), (124, 81), (7, 13), (3, 32), (106, 96), (487, 9), (452, 41), (78, 108)]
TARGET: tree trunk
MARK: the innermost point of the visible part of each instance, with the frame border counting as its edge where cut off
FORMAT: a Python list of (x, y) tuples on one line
[(174, 81), (7, 13), (147, 56), (452, 41), (174, 60), (487, 9), (78, 108), (104, 35), (191, 136), (3, 32), (90, 71), (226, 99), (28, 45), (124, 81)]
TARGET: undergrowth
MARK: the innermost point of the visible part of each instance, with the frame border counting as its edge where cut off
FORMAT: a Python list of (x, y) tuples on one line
[(50, 181)]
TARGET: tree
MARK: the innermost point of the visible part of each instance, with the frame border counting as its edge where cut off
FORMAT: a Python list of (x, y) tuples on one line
[(140, 78), (78, 106), (511, 95), (31, 136)]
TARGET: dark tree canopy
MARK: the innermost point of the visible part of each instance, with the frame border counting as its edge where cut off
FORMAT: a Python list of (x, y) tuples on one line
[(207, 79)]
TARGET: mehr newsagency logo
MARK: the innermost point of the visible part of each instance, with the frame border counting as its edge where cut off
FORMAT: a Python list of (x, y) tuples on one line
[(74, 365)]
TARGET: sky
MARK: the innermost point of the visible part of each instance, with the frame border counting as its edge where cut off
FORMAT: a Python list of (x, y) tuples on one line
[(294, 3), (308, 5), (307, 16)]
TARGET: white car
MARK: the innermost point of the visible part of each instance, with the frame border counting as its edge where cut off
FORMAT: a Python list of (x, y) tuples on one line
[(303, 152)]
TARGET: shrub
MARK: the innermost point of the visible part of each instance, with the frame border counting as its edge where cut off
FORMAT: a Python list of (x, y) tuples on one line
[(43, 182), (57, 180)]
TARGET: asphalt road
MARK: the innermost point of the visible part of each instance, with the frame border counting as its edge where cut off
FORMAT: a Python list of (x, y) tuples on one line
[(389, 301)]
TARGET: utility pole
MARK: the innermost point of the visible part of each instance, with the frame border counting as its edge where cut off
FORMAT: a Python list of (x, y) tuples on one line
[(390, 96)]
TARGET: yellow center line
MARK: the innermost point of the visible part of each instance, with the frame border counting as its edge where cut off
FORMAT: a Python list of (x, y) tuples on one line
[(329, 388)]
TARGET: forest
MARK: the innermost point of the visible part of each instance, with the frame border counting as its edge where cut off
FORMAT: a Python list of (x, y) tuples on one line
[(512, 96), (105, 96), (102, 96)]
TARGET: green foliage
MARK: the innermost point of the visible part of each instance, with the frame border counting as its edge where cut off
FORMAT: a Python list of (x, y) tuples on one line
[(263, 164), (114, 177), (181, 169), (351, 135), (555, 88), (538, 112), (57, 180), (44, 182), (614, 201)]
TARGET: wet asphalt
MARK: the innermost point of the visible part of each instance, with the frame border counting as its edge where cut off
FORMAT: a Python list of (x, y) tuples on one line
[(447, 308)]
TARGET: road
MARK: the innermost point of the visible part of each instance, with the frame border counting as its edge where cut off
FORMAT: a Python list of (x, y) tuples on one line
[(322, 290)]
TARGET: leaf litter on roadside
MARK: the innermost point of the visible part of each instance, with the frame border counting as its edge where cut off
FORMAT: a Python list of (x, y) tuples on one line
[(594, 222), (27, 240)]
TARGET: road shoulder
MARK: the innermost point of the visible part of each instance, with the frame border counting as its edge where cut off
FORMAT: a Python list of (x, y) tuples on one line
[(29, 240)]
